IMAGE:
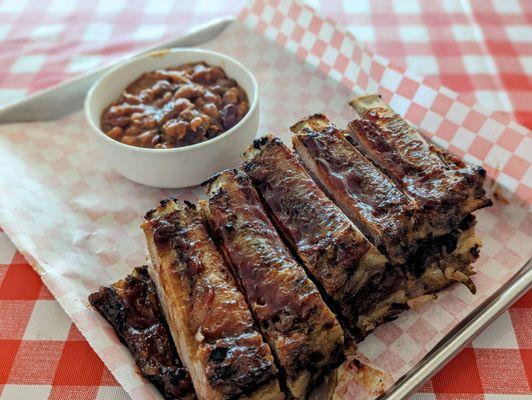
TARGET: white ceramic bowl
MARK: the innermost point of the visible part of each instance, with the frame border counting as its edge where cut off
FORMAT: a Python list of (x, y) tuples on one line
[(182, 166)]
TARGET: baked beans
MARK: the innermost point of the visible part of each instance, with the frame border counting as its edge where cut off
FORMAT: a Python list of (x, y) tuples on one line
[(176, 107)]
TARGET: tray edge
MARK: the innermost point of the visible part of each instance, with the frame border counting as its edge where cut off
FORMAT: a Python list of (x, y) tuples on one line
[(470, 327)]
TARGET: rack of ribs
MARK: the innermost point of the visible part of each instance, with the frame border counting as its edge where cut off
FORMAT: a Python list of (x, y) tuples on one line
[(444, 188), (132, 308), (337, 255), (303, 333), (240, 297), (210, 322), (383, 213)]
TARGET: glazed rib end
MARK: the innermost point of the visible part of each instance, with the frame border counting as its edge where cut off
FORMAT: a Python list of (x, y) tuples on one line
[(131, 306), (363, 103), (258, 146), (315, 122)]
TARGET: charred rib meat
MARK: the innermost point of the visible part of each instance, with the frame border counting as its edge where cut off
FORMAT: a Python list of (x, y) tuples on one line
[(132, 308), (331, 247), (208, 317), (367, 196), (303, 333)]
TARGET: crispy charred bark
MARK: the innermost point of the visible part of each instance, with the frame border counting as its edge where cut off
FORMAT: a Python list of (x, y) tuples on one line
[(303, 333), (445, 259), (332, 248), (210, 322), (435, 266), (444, 188), (132, 308)]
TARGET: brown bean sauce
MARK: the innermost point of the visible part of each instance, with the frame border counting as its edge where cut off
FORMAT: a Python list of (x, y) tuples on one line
[(176, 107)]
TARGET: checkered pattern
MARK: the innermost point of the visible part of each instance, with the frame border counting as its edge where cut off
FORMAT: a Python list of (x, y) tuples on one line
[(43, 353), (89, 34), (482, 48), (444, 116), (451, 120)]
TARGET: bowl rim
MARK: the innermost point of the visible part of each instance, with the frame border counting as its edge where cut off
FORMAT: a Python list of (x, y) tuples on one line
[(161, 54)]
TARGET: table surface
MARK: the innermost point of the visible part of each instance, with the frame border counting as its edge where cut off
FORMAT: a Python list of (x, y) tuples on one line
[(480, 47)]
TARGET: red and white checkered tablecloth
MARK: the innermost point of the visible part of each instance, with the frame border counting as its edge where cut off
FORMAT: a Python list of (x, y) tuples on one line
[(481, 47)]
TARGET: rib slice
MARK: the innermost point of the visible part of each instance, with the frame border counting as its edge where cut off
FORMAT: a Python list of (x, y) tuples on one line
[(132, 308), (383, 213), (444, 187), (331, 247), (210, 322), (303, 333)]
